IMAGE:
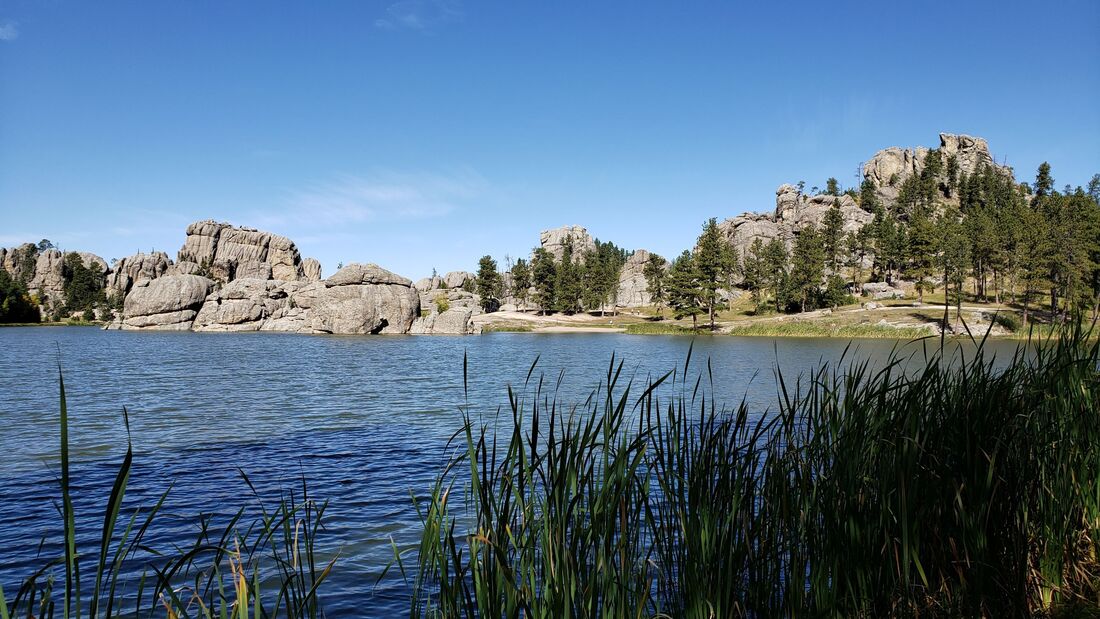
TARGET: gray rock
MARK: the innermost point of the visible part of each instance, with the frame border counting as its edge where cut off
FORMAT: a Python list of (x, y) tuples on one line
[(362, 299), (455, 321), (428, 283), (311, 270), (456, 297), (139, 266), (457, 279), (241, 305), (168, 303), (793, 212), (253, 269), (633, 290), (224, 247), (553, 241), (370, 273)]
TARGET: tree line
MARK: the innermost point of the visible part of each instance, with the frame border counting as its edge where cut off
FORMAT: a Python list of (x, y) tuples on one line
[(982, 234)]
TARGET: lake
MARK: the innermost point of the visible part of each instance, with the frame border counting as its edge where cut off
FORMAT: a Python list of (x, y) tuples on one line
[(364, 419)]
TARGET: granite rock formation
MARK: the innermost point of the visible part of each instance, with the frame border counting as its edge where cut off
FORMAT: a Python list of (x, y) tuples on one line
[(168, 303)]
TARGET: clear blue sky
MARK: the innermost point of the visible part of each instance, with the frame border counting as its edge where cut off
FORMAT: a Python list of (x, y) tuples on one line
[(425, 134)]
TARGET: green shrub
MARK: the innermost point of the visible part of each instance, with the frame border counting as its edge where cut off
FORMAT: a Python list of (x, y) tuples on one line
[(442, 303), (1007, 320)]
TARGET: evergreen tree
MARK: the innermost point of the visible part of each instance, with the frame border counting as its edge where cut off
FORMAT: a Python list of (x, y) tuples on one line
[(544, 277), (775, 271), (521, 282), (754, 273), (1032, 252), (709, 259), (832, 236), (685, 295), (655, 275), (832, 187), (489, 286), (1044, 182), (568, 285), (857, 247), (807, 269), (15, 303), (868, 196), (83, 286), (921, 250), (954, 257)]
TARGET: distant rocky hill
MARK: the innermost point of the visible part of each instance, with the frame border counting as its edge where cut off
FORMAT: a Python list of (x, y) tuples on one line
[(887, 171)]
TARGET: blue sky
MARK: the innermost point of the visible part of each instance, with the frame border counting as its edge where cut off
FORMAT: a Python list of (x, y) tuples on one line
[(426, 133)]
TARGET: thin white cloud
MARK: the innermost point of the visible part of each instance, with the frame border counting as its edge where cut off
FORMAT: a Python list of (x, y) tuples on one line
[(9, 30), (419, 15), (379, 196)]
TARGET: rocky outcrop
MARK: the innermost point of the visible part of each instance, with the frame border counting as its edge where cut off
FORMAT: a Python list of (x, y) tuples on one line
[(311, 270), (794, 211), (430, 300), (43, 271), (889, 167), (167, 303), (242, 305), (633, 286), (365, 298), (454, 321), (235, 252), (131, 269), (554, 240), (458, 279)]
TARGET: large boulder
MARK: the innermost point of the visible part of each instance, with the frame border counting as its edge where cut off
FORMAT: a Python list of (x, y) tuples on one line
[(457, 279), (166, 303), (365, 298), (554, 240)]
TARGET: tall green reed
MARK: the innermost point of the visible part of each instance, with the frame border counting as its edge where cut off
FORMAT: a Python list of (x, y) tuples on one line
[(947, 485)]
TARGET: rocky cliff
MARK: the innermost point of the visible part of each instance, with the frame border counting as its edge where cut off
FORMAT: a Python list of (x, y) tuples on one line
[(43, 270), (890, 167), (793, 212)]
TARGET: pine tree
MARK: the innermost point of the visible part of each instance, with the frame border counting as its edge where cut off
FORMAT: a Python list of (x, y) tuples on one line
[(568, 285), (488, 284), (544, 277), (655, 275), (807, 268), (754, 270), (832, 187), (868, 196), (832, 236), (1044, 182), (954, 256), (775, 270), (521, 281), (684, 291), (709, 265), (920, 254)]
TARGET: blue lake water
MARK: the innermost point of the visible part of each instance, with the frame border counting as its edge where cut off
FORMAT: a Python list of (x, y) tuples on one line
[(364, 419)]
